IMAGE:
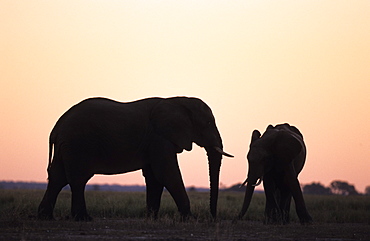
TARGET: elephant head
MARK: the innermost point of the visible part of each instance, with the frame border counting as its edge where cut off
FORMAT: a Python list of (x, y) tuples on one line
[(276, 158), (278, 147), (185, 120)]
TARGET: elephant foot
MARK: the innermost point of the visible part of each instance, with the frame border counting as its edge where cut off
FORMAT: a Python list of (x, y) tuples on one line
[(83, 218), (269, 221), (239, 217), (306, 220), (285, 222), (45, 214), (273, 216), (186, 217), (153, 215), (285, 217), (185, 214)]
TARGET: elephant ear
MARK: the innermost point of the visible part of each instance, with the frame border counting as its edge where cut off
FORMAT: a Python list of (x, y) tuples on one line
[(255, 136), (269, 127), (172, 122), (287, 147)]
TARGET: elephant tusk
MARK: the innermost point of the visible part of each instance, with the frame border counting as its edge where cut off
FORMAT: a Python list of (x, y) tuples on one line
[(219, 150), (258, 183), (246, 180), (243, 184)]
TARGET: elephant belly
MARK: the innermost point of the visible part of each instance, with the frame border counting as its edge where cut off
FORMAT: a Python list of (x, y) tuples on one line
[(117, 166), (110, 153)]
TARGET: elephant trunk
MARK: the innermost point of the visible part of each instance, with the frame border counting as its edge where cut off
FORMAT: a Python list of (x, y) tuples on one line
[(247, 199), (214, 162), (251, 184)]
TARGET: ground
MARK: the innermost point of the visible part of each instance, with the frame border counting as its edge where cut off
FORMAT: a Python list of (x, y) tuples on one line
[(166, 229)]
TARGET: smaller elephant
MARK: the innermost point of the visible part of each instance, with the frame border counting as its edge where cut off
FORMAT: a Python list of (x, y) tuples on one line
[(276, 158)]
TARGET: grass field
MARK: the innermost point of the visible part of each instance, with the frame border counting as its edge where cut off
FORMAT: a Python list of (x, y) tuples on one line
[(119, 215)]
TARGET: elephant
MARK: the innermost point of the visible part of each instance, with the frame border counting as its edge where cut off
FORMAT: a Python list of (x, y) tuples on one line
[(103, 136), (276, 158)]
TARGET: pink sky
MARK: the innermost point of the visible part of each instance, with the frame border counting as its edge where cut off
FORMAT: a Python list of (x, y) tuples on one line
[(254, 62)]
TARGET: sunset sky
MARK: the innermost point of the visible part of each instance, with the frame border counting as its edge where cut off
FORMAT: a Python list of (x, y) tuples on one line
[(254, 62)]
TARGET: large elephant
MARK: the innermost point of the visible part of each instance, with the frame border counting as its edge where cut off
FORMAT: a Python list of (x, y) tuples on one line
[(102, 136), (277, 157)]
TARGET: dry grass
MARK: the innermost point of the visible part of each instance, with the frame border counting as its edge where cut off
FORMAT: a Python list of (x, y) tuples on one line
[(119, 215)]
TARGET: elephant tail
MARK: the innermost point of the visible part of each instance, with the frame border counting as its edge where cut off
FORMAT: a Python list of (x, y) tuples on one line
[(51, 143)]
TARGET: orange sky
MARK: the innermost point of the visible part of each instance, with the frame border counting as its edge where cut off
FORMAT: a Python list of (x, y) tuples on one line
[(254, 63)]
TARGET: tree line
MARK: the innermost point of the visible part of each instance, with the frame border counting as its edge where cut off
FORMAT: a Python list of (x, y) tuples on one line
[(336, 187)]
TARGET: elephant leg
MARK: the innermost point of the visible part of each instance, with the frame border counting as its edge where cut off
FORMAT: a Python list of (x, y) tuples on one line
[(79, 212), (300, 205), (174, 184), (154, 190), (284, 200), (172, 181), (272, 213), (284, 204), (163, 162), (46, 207), (57, 180)]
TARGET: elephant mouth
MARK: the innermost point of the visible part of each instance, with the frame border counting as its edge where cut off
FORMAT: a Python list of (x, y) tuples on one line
[(257, 183), (219, 150)]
